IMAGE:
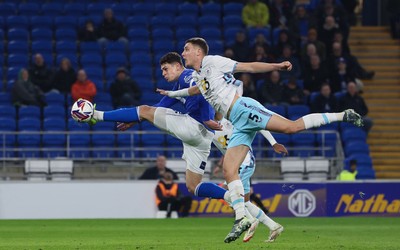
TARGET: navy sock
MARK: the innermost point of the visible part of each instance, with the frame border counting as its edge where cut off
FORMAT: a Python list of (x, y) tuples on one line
[(210, 190), (122, 115)]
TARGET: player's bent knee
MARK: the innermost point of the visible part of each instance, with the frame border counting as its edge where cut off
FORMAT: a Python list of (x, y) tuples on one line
[(191, 187)]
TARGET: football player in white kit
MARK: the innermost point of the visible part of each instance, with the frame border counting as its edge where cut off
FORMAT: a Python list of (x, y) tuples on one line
[(215, 81)]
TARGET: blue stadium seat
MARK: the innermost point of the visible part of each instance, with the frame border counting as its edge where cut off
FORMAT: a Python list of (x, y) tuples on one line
[(53, 98), (54, 111), (18, 34), (8, 9), (145, 83), (12, 73), (52, 9), (2, 37), (365, 173), (97, 8), (185, 33), (115, 47), (79, 143), (111, 72), (146, 9), (122, 9), (103, 98), (313, 96), (353, 134), (216, 47), (162, 22), (5, 98), (185, 22), (91, 60), (275, 35), (18, 60), (75, 9), (141, 47), (29, 112), (41, 22), (230, 35), (17, 22), (139, 34), (280, 110), (330, 126), (90, 47), (165, 9), (71, 56), (339, 95), (230, 22), (29, 9), (28, 143), (206, 22), (161, 46), (140, 71), (152, 138), (65, 22), (356, 147), (327, 140), (94, 71), (116, 60), (211, 34), (232, 9), (137, 21), (188, 9), (363, 160), (346, 125), (296, 111), (41, 47), (54, 144), (42, 34), (7, 124), (95, 19), (253, 32), (6, 109), (127, 145), (66, 34), (98, 81), (65, 47), (48, 59), (211, 8), (162, 34), (304, 144), (174, 146)]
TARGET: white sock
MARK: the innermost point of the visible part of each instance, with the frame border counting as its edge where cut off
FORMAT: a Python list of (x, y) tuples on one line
[(257, 213), (319, 119), (227, 197), (98, 115), (236, 193), (249, 216)]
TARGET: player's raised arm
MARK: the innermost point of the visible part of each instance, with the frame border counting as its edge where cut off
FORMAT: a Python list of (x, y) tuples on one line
[(260, 67), (278, 148), (194, 90)]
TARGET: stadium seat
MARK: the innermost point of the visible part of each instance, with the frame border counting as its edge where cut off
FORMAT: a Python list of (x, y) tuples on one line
[(139, 34), (54, 111), (5, 99), (65, 22), (116, 60), (292, 169), (17, 22), (139, 71), (104, 143), (29, 142), (165, 9), (232, 21), (339, 95), (29, 112), (211, 8), (185, 22), (230, 35), (182, 34), (232, 9), (53, 98), (253, 32), (96, 9), (363, 160), (280, 110), (353, 134), (65, 47), (18, 35), (75, 9), (146, 9), (52, 9), (6, 109), (211, 34), (7, 124), (216, 47), (29, 9), (41, 22), (296, 111), (41, 34), (161, 46), (317, 169), (71, 56), (103, 98), (188, 9), (54, 144), (152, 140), (304, 144), (162, 34), (66, 34), (326, 142), (206, 22), (115, 47), (313, 96), (79, 143), (137, 21), (18, 60), (12, 73), (8, 9), (90, 47), (174, 147), (18, 47), (365, 173), (42, 47), (91, 60), (142, 47), (122, 9), (127, 145), (356, 147), (94, 72), (161, 22)]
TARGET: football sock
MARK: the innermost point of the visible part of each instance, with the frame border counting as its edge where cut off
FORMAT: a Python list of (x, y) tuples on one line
[(319, 119), (209, 189), (227, 197), (237, 197), (257, 213), (118, 115), (248, 215)]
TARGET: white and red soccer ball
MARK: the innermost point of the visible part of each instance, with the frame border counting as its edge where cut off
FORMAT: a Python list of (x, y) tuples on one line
[(82, 110)]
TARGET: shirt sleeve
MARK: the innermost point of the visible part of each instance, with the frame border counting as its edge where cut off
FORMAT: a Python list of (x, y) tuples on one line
[(224, 64), (166, 101)]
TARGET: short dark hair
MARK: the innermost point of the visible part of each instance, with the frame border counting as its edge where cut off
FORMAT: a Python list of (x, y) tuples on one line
[(171, 57), (199, 42)]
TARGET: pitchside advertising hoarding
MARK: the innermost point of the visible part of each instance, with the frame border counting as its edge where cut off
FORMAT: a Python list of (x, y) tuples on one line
[(315, 200)]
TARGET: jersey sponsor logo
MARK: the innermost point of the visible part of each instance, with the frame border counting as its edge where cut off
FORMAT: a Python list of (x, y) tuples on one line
[(223, 140), (302, 203), (204, 85), (375, 204)]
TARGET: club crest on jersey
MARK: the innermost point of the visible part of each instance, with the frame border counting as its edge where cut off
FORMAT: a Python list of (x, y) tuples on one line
[(187, 78)]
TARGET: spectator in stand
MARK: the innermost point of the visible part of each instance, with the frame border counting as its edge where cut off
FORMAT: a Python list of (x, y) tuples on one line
[(349, 7), (314, 75), (255, 14), (312, 37), (157, 172), (111, 29), (169, 198), (330, 8), (292, 93), (352, 100), (272, 90), (327, 32), (341, 76), (64, 77), (88, 33), (284, 40), (352, 62), (310, 51), (124, 91), (349, 172), (83, 87), (249, 88), (228, 52), (300, 24), (24, 92), (338, 37), (260, 40), (288, 56), (40, 74), (241, 47), (325, 101), (280, 12)]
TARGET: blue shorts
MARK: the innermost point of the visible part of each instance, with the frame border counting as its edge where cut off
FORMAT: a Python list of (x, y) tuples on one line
[(247, 116)]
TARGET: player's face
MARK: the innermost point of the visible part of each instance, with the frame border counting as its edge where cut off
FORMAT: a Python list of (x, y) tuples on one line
[(189, 54), (170, 71)]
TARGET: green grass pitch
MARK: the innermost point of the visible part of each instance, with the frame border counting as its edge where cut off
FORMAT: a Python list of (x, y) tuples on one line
[(198, 233)]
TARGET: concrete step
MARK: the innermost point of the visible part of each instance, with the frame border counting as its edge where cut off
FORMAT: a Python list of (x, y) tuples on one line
[(387, 101), (379, 61), (388, 175), (385, 148), (381, 95), (384, 154), (355, 29), (371, 50), (381, 81), (387, 122), (381, 88), (388, 108), (386, 168), (384, 135), (378, 42), (386, 162), (385, 141), (383, 115)]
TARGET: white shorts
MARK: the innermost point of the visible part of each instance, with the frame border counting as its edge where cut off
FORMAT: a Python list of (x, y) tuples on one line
[(196, 139)]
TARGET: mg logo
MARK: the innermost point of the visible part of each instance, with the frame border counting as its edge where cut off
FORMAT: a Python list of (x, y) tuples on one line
[(301, 203)]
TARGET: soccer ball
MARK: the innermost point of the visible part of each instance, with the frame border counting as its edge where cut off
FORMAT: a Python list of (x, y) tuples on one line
[(82, 110)]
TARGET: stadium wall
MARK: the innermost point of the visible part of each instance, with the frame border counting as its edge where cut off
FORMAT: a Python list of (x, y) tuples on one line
[(135, 199)]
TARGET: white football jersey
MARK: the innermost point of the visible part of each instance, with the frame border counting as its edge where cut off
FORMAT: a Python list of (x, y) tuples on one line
[(221, 139), (216, 82)]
